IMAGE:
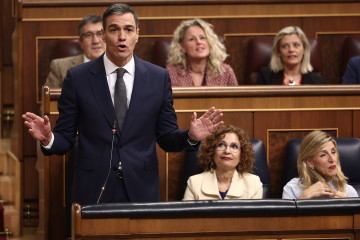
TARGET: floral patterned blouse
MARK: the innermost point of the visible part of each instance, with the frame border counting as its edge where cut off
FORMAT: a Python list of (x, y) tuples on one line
[(228, 78)]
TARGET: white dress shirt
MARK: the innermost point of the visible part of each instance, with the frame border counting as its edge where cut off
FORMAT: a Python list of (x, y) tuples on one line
[(129, 76)]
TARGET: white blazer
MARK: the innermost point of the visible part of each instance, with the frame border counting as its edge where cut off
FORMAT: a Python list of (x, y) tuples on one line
[(204, 186)]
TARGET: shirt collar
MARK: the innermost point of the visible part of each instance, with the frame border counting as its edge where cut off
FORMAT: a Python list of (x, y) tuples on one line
[(110, 67), (86, 59)]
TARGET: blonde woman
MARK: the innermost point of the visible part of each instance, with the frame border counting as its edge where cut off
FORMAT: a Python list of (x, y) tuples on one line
[(196, 56), (320, 174), (290, 60)]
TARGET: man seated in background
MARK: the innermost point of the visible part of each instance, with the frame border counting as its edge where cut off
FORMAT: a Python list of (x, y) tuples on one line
[(90, 40), (352, 73)]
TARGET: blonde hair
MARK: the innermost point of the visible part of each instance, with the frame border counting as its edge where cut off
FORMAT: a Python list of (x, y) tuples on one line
[(276, 63), (310, 145), (217, 53)]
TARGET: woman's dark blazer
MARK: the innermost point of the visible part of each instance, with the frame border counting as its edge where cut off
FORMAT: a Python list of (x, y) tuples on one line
[(268, 77)]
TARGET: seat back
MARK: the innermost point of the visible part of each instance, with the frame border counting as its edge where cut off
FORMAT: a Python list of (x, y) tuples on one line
[(260, 168), (349, 154), (351, 48), (259, 55), (67, 47), (160, 51), (290, 163), (69, 183)]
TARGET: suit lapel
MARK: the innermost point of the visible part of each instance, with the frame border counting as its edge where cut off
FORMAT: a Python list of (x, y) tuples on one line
[(137, 96), (236, 189), (100, 89), (209, 185)]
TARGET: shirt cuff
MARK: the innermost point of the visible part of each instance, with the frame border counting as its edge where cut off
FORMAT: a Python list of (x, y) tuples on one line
[(191, 141), (47, 147)]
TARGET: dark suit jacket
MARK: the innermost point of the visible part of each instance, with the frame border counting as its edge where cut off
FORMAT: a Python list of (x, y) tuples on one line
[(85, 106), (268, 77), (352, 73)]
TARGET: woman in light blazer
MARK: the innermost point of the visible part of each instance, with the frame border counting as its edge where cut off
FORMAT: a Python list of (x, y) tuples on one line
[(227, 159)]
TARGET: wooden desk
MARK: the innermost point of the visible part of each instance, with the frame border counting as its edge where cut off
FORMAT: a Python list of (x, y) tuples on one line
[(238, 219), (273, 114)]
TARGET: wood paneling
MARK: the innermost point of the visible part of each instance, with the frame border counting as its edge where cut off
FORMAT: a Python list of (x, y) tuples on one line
[(8, 85), (356, 125), (53, 9), (7, 26)]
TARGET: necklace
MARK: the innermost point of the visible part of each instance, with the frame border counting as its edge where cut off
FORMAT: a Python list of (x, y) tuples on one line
[(291, 82)]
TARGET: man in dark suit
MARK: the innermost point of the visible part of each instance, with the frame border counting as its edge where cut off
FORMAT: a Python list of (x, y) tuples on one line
[(128, 171)]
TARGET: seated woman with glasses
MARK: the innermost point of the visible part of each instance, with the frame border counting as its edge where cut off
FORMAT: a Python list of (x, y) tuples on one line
[(227, 158)]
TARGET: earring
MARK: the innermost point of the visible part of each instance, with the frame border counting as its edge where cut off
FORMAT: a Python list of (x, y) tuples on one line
[(312, 168), (238, 168), (212, 167)]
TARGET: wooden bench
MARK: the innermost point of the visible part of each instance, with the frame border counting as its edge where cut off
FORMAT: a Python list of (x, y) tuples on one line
[(230, 219)]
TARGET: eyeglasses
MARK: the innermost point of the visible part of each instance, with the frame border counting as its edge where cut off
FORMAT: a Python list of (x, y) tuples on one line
[(234, 147), (90, 35)]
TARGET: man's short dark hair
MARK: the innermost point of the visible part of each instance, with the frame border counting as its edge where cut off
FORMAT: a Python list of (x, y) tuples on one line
[(92, 18), (119, 9)]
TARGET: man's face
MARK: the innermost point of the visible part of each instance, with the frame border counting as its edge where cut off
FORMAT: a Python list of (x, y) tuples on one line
[(120, 37), (91, 41)]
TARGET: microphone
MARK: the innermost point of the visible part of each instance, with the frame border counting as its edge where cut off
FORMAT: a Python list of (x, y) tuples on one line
[(113, 130)]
